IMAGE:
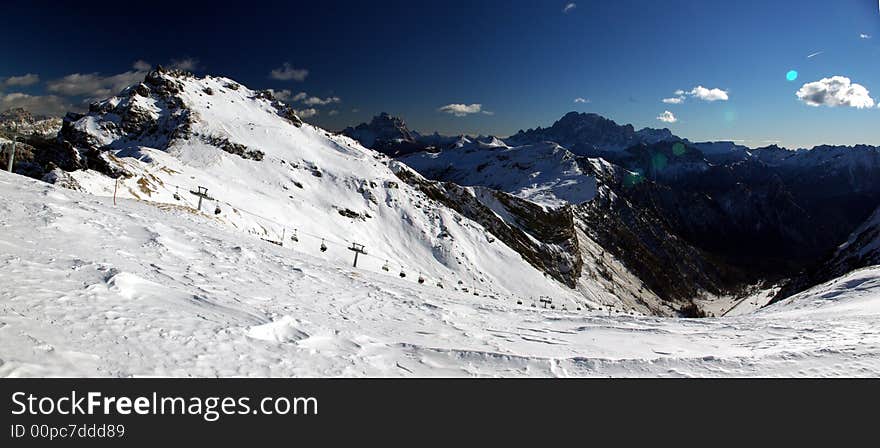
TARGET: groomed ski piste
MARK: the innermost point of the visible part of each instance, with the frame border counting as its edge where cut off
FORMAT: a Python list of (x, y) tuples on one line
[(142, 289)]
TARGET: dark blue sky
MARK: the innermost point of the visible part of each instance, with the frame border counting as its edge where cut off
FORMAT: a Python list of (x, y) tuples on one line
[(524, 62)]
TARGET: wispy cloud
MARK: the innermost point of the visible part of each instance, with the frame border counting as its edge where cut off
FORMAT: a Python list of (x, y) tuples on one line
[(667, 117), (185, 64), (569, 7), (463, 110), (581, 100), (95, 85), (20, 81), (674, 100), (304, 98), (316, 101), (306, 113), (813, 55), (288, 73), (42, 104), (835, 91), (141, 65), (864, 36)]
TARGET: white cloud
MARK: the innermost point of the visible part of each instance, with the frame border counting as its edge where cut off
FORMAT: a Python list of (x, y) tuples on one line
[(315, 101), (93, 85), (282, 95), (141, 65), (42, 105), (461, 110), (667, 117), (813, 55), (581, 100), (333, 112), (185, 64), (20, 81), (835, 91), (306, 113), (287, 73), (675, 100), (569, 7), (305, 98), (864, 36), (705, 94)]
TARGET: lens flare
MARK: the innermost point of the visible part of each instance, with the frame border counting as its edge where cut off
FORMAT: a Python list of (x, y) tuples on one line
[(678, 149), (792, 75)]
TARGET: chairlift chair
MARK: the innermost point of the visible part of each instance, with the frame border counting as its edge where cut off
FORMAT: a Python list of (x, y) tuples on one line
[(402, 274), (323, 246), (385, 266), (421, 279), (294, 237), (176, 194)]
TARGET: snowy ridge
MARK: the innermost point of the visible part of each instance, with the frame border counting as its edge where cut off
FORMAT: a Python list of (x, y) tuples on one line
[(275, 177)]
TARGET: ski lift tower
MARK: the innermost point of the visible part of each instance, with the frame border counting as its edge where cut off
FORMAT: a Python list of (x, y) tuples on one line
[(202, 193), (357, 249), (11, 149)]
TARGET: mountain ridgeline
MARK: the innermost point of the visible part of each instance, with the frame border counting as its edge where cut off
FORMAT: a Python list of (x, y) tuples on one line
[(595, 214)]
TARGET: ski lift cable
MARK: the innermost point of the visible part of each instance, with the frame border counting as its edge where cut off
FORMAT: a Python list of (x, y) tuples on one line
[(345, 243), (283, 226)]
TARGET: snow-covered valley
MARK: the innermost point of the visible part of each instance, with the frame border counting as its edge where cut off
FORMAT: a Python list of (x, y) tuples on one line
[(146, 289)]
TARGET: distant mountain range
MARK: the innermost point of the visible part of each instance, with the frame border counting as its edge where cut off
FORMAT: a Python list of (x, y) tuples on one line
[(764, 214)]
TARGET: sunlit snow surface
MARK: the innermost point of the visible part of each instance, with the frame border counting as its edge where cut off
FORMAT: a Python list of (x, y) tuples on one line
[(90, 289)]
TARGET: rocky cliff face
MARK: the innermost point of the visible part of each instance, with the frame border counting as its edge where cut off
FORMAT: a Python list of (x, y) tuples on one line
[(388, 135), (588, 134), (640, 235), (21, 123), (546, 238)]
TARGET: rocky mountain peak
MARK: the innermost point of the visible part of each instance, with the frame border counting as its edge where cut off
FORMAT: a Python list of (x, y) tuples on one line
[(21, 122), (591, 134)]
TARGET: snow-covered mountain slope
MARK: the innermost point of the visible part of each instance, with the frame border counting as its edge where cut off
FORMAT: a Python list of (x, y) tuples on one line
[(271, 175), (136, 289), (544, 173), (861, 249)]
